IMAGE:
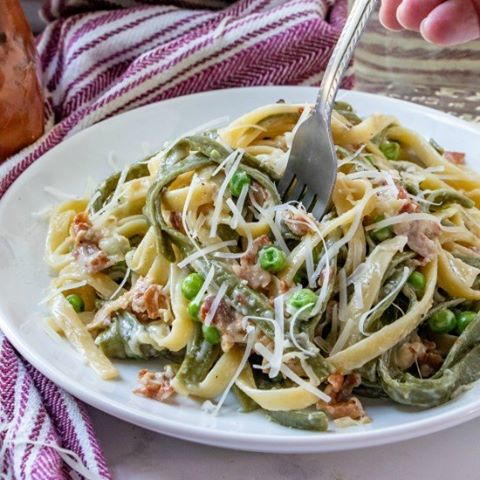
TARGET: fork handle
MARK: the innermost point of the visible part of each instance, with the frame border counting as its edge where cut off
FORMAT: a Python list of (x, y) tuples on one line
[(342, 54)]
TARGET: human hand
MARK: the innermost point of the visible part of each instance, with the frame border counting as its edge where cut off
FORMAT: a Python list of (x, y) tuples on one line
[(444, 23)]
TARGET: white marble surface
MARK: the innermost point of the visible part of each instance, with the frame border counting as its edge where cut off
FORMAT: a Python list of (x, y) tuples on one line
[(137, 454)]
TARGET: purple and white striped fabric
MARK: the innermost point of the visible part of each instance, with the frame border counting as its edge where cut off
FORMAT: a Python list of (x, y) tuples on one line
[(102, 57), (36, 419)]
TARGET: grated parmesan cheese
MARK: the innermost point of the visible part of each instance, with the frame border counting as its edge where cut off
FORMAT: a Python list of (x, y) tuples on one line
[(239, 206), (236, 157), (241, 221), (291, 332), (188, 199), (206, 284), (265, 353), (342, 295), (403, 217), (121, 284), (363, 319), (267, 214), (335, 248), (278, 340), (215, 304), (276, 362), (204, 251), (251, 337)]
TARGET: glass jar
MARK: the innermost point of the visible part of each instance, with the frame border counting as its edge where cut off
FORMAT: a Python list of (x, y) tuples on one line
[(21, 100), (403, 65)]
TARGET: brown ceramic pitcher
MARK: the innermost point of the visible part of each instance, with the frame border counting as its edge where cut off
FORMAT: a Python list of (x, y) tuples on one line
[(21, 102)]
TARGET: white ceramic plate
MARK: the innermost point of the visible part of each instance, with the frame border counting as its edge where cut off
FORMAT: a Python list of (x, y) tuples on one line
[(23, 277)]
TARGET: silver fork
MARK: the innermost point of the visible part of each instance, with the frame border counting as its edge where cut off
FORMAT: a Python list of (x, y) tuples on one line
[(312, 164)]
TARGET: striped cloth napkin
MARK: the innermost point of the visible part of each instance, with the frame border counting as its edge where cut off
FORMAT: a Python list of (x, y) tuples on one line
[(102, 57)]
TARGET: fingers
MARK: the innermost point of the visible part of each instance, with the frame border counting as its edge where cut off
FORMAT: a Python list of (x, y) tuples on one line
[(388, 14), (451, 23), (411, 13)]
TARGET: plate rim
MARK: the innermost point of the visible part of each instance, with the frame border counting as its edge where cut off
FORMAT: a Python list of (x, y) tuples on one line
[(295, 443)]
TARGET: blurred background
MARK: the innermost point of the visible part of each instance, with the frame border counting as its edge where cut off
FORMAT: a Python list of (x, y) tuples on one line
[(31, 8)]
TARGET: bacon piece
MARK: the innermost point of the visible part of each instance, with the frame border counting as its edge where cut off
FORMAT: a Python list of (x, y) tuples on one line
[(176, 221), (458, 158), (297, 222), (283, 286), (341, 386), (156, 385), (260, 194), (82, 229), (86, 250), (342, 403), (421, 235), (420, 351), (229, 323), (249, 268), (91, 258), (351, 408), (148, 299), (103, 317), (409, 205)]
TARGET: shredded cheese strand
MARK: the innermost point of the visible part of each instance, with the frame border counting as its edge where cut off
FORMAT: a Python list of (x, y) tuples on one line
[(208, 279), (239, 206), (267, 214), (215, 304), (204, 251), (291, 331), (265, 353), (242, 223), (251, 337), (121, 285), (335, 248), (188, 199), (363, 319), (278, 341), (236, 157), (403, 217)]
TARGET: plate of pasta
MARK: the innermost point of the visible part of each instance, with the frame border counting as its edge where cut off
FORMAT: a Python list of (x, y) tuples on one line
[(149, 266)]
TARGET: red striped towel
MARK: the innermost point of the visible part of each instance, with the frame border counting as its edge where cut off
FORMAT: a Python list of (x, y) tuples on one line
[(102, 57)]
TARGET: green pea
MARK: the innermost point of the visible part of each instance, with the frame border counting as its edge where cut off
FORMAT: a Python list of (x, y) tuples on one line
[(193, 310), (443, 321), (382, 234), (464, 319), (239, 180), (272, 259), (417, 281), (391, 150), (191, 285), (76, 301), (211, 334), (303, 297)]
